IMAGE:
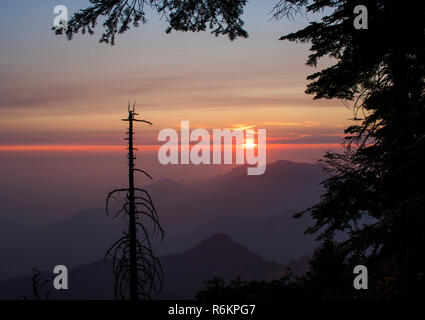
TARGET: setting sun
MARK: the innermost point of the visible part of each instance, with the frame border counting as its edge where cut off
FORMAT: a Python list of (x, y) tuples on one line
[(249, 144)]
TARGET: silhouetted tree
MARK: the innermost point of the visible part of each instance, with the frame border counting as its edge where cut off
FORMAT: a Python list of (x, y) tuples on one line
[(138, 273), (376, 195), (287, 287), (221, 16), (41, 287)]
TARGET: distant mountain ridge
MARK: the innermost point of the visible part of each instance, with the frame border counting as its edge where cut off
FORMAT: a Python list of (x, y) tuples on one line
[(184, 274), (255, 210)]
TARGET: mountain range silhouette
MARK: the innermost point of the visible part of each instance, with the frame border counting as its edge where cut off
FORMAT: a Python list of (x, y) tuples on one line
[(185, 273), (256, 211)]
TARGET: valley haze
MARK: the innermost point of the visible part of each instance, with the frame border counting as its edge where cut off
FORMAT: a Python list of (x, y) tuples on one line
[(256, 211)]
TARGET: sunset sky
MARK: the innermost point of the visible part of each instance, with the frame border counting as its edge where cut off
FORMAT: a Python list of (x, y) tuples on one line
[(58, 92), (61, 96)]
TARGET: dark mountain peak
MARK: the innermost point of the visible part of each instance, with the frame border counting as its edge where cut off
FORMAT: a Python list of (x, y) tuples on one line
[(273, 169), (282, 162), (220, 247), (287, 163), (219, 238), (184, 274)]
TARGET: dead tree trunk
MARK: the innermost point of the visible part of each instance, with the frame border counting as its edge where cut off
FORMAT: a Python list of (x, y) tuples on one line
[(132, 213), (137, 271)]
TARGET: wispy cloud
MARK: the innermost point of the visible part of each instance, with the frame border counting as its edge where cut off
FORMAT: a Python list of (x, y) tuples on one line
[(291, 124)]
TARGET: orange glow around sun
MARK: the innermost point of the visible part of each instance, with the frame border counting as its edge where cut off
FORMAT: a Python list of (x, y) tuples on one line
[(249, 144)]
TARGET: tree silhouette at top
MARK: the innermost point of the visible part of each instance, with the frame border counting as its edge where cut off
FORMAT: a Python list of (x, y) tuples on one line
[(138, 273), (223, 17)]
